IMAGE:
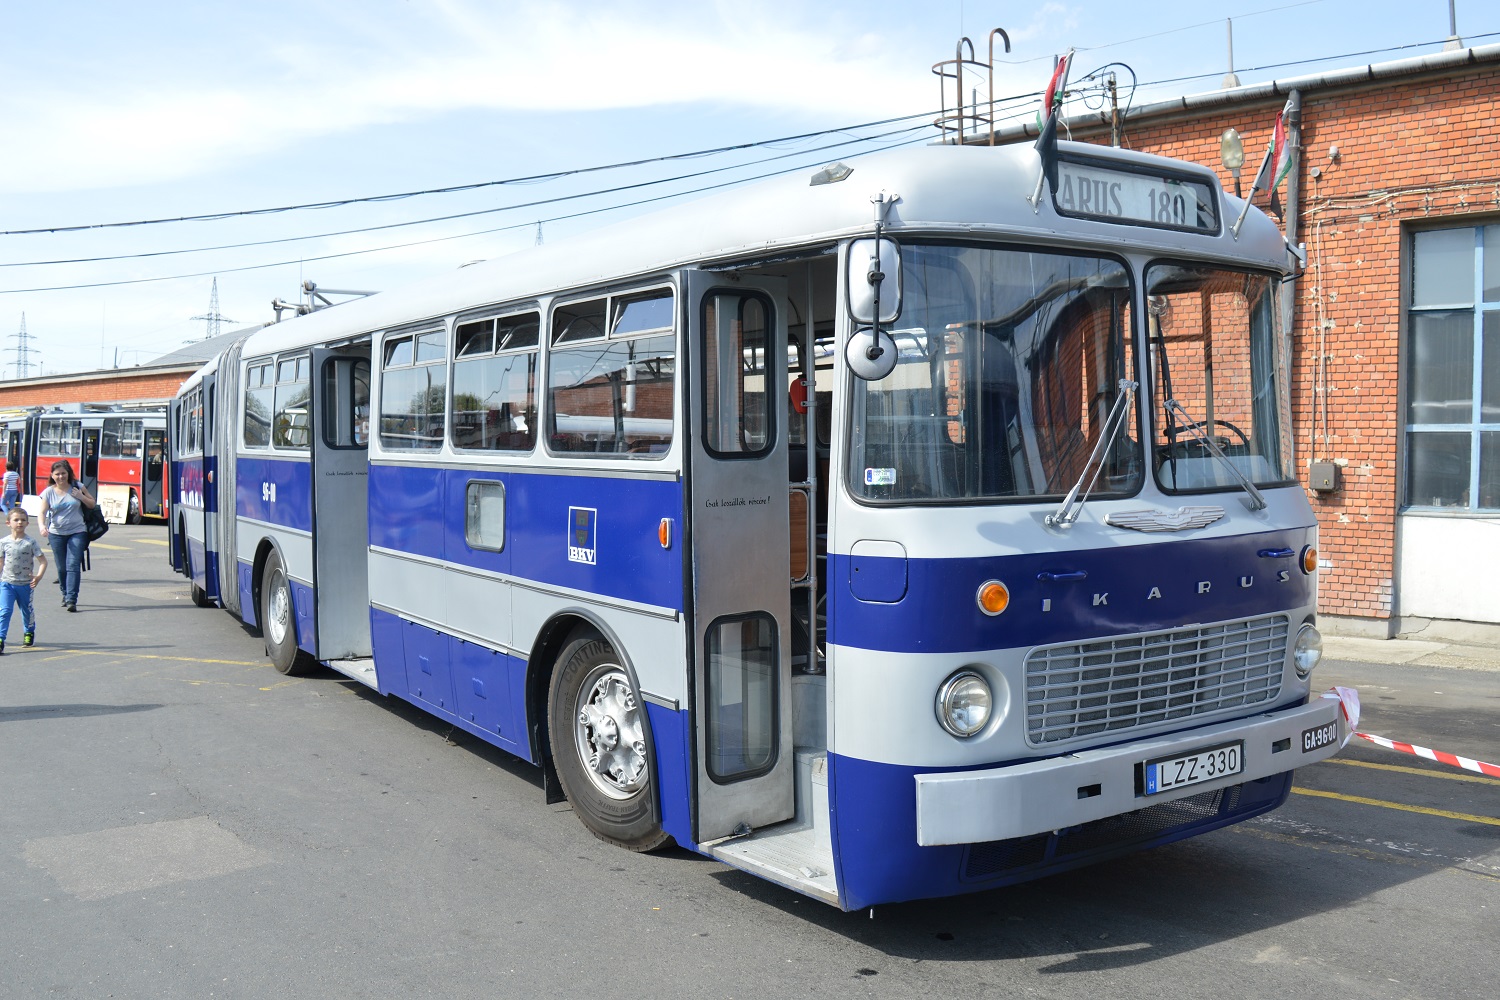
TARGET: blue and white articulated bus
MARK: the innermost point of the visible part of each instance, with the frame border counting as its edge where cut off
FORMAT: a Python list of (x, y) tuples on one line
[(881, 532)]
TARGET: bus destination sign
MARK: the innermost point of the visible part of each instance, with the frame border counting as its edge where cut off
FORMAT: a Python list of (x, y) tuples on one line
[(1171, 201)]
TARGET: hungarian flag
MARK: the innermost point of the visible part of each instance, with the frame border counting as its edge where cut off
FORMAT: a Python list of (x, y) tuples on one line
[(1276, 164), (1046, 140)]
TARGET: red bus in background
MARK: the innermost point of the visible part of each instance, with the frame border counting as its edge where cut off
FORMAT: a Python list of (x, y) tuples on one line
[(117, 452)]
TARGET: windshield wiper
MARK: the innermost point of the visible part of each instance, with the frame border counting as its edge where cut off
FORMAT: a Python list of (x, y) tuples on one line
[(1257, 501), (1072, 505)]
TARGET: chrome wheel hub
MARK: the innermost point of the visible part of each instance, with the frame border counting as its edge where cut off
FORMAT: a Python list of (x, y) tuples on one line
[(280, 612), (609, 733)]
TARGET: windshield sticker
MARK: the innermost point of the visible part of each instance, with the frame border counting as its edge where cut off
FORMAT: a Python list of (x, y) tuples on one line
[(583, 525), (880, 477)]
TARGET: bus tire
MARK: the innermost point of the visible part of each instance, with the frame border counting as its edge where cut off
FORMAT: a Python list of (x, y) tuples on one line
[(133, 511), (597, 728), (201, 598), (278, 620)]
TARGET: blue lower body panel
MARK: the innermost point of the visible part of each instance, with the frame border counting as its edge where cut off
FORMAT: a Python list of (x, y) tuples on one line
[(880, 861), (671, 738), (248, 611), (302, 608), (483, 691)]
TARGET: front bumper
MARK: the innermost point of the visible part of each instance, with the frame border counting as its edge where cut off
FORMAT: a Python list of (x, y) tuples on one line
[(969, 807)]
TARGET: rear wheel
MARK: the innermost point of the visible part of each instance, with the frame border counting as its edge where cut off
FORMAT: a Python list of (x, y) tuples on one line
[(597, 726), (277, 621), (200, 596), (133, 511)]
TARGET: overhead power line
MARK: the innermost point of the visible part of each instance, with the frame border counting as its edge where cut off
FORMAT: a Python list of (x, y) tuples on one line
[(477, 212), (530, 179)]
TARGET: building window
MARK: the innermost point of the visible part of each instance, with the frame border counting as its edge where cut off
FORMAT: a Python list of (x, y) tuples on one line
[(1453, 370)]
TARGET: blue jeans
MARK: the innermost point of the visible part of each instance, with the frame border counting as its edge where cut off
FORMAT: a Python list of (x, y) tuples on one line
[(12, 594), (68, 551), (10, 499)]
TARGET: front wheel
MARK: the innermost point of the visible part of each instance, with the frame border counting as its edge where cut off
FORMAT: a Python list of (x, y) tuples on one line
[(597, 728), (277, 622), (133, 511)]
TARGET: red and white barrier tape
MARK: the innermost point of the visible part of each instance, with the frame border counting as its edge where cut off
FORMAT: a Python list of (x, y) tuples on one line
[(1452, 760), (1348, 700)]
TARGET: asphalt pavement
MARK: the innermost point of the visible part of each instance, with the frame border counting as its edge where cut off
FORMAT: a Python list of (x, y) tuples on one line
[(179, 820)]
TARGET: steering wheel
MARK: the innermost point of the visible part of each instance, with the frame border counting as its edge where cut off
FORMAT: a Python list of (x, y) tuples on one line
[(1241, 440)]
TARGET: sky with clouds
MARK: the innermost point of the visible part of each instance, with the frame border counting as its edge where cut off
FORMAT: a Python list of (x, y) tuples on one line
[(115, 113)]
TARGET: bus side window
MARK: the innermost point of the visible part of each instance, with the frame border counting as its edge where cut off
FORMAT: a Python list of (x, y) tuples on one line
[(494, 383), (610, 384), (736, 410), (414, 391), (259, 388), (346, 402)]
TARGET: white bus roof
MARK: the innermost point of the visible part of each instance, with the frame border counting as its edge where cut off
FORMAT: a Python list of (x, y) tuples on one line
[(978, 190)]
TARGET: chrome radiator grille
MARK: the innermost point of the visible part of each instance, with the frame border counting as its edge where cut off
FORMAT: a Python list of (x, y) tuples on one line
[(1077, 690)]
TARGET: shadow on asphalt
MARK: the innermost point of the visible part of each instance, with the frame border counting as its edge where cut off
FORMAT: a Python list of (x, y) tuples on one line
[(20, 713)]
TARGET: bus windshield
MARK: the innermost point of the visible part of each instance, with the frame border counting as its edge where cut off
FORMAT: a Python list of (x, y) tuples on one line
[(1216, 351), (1009, 362)]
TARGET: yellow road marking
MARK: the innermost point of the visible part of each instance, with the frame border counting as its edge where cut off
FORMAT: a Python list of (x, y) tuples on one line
[(1476, 778), (149, 656), (149, 541), (1361, 800), (1350, 850), (101, 545)]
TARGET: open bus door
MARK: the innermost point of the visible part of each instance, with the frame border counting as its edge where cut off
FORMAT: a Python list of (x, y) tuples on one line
[(89, 472), (741, 564), (17, 450), (340, 503), (151, 473)]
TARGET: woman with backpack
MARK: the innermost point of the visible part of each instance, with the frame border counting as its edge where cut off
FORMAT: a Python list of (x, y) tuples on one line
[(62, 525)]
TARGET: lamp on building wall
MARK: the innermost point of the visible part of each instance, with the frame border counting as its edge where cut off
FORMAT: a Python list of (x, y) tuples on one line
[(1232, 155)]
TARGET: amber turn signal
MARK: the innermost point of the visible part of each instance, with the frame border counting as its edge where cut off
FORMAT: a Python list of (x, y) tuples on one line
[(1310, 560), (993, 597), (664, 532)]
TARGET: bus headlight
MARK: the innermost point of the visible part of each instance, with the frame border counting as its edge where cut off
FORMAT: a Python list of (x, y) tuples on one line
[(964, 704), (1307, 651)]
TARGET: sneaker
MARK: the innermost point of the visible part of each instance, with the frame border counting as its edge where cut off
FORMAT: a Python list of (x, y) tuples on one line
[(71, 607), (2, 647), (26, 640)]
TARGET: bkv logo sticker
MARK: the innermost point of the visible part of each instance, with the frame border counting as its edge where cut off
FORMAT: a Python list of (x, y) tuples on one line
[(583, 528)]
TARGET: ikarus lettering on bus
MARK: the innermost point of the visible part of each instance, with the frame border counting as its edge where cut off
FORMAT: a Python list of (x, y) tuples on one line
[(583, 525)]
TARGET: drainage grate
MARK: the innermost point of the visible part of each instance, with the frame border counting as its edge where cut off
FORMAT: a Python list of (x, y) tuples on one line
[(1079, 690)]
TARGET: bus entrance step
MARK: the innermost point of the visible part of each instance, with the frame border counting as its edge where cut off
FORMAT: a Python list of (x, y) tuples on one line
[(362, 670)]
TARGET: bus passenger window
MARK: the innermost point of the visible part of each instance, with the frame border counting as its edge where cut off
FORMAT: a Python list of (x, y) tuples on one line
[(494, 384), (414, 391), (259, 389), (614, 395), (292, 424)]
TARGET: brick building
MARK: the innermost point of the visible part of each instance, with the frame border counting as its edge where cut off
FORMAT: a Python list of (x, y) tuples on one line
[(140, 385), (1395, 323)]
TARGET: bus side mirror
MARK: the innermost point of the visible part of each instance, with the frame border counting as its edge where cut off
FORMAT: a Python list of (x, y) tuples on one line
[(869, 274), (871, 354)]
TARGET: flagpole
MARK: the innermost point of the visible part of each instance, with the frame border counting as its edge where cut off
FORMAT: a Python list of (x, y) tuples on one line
[(1052, 102), (1265, 165)]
